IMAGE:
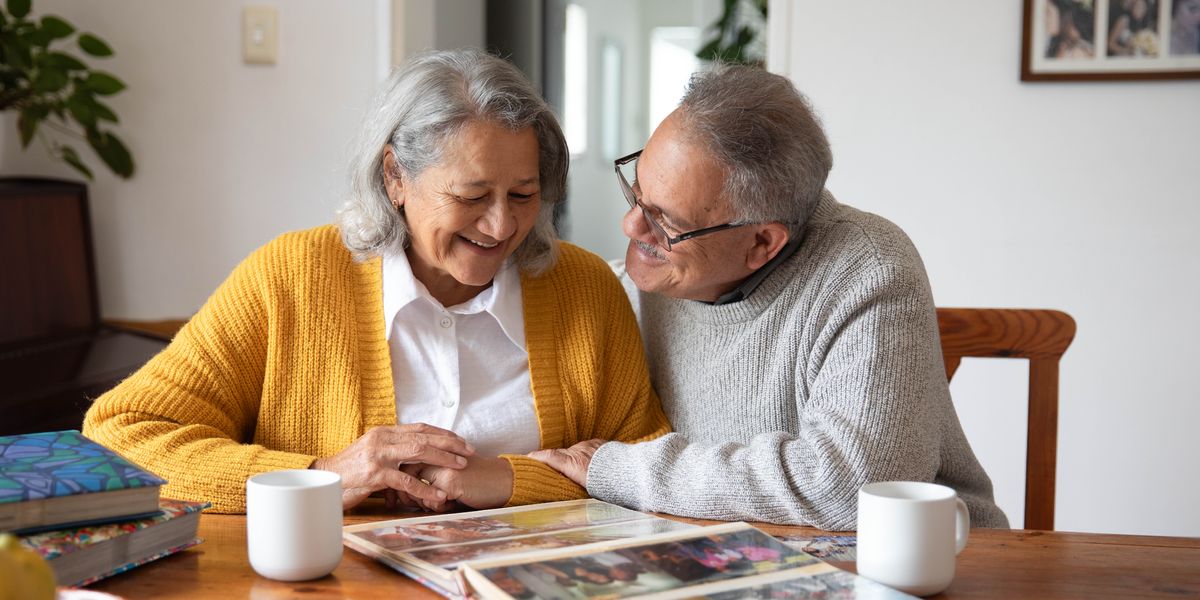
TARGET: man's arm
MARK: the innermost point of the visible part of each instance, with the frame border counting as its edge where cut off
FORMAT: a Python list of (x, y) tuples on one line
[(873, 377)]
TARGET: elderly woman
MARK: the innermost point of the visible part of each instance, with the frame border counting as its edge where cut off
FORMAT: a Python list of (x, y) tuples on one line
[(424, 345)]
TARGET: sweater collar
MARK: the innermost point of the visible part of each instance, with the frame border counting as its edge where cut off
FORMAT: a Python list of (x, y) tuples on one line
[(747, 287)]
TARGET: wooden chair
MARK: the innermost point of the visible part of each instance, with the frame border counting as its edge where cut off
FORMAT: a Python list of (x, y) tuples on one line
[(1042, 336)]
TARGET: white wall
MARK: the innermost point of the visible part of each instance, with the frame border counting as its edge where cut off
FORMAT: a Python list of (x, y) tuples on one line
[(229, 155), (421, 25), (1079, 196)]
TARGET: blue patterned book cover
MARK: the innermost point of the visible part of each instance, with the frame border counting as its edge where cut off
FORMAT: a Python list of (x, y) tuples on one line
[(49, 480), (63, 463)]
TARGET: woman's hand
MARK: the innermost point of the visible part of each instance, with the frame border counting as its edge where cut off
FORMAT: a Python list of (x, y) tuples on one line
[(572, 462), (373, 462), (486, 482)]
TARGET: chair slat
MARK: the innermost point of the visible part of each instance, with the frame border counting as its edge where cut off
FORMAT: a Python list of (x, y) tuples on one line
[(1042, 336)]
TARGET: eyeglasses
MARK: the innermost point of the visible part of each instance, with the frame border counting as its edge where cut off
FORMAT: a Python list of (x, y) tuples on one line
[(660, 235)]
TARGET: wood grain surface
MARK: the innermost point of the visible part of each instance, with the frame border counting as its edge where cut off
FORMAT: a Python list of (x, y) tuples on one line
[(995, 564)]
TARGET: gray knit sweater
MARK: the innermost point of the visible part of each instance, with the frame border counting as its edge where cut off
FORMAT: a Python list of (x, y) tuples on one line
[(827, 377)]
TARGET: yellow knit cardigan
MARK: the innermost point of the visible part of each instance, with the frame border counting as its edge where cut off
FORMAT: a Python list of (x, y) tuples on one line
[(287, 362)]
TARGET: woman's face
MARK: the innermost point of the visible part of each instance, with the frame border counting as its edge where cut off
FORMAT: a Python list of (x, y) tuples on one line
[(1052, 20), (468, 214)]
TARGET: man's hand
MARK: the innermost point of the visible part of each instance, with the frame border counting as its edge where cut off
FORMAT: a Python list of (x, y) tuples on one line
[(486, 482), (572, 462), (372, 462)]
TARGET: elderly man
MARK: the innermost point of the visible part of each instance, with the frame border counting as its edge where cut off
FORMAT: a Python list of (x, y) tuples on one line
[(792, 339)]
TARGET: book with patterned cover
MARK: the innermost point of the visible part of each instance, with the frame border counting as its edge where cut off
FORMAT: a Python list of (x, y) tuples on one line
[(82, 555), (55, 479)]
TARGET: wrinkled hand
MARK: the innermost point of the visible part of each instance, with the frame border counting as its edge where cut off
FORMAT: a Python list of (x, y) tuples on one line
[(486, 482), (372, 463), (572, 462)]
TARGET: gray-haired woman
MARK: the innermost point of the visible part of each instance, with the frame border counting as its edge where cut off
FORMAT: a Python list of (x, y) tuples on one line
[(421, 347)]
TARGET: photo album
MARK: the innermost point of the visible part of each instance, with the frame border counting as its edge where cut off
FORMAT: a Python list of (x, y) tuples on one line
[(591, 549)]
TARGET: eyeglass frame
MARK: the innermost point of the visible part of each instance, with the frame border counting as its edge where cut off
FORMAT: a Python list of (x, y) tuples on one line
[(656, 228)]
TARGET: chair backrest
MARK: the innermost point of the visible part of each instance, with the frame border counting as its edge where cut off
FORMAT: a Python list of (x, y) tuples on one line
[(1041, 336)]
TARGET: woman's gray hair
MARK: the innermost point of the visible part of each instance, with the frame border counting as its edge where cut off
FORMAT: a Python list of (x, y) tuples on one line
[(428, 99), (763, 131)]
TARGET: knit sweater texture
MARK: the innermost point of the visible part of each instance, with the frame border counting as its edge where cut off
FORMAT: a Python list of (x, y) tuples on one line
[(288, 361), (826, 377)]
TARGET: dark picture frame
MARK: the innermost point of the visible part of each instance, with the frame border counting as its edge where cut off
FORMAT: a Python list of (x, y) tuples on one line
[(1110, 40)]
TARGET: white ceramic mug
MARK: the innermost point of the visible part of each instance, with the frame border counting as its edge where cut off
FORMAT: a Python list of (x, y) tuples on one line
[(294, 523), (909, 533)]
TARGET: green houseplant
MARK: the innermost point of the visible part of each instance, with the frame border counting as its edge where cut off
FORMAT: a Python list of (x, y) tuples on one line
[(53, 91), (735, 36)]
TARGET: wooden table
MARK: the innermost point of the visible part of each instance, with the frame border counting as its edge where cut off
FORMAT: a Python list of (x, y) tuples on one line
[(995, 564)]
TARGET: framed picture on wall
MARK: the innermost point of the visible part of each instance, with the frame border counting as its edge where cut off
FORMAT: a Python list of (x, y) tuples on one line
[(1093, 40)]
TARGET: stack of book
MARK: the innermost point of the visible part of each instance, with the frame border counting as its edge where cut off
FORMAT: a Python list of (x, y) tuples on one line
[(591, 549), (89, 512)]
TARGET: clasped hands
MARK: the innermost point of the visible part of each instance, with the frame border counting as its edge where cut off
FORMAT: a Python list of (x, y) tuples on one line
[(419, 466), (422, 466)]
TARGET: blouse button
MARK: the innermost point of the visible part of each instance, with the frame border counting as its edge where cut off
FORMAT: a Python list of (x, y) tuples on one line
[(446, 322)]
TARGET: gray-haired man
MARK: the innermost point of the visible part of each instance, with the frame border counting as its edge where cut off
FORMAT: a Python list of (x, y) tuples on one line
[(792, 340)]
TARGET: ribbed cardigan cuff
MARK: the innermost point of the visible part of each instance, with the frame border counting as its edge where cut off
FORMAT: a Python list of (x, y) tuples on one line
[(534, 481), (234, 500)]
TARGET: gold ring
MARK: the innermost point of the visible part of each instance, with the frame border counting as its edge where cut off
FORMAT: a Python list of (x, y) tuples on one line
[(426, 482)]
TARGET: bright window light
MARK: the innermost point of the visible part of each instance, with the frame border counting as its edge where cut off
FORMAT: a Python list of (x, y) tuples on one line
[(575, 92), (672, 62)]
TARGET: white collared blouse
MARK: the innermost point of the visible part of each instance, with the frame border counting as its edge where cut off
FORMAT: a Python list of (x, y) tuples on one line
[(465, 367)]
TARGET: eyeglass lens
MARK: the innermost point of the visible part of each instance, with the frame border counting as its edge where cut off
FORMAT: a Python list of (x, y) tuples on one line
[(628, 173)]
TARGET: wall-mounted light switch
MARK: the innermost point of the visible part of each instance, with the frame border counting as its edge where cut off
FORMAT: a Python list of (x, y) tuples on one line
[(260, 35)]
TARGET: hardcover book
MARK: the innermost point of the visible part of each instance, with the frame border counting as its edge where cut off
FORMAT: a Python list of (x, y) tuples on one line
[(591, 549), (58, 479), (84, 555)]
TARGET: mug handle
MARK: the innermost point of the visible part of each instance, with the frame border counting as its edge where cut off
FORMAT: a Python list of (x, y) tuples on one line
[(962, 526)]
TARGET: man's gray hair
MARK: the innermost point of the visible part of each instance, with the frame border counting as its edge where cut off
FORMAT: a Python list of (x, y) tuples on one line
[(764, 132), (428, 99)]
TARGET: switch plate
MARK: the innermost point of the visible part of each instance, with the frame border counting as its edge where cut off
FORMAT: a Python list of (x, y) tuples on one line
[(260, 35)]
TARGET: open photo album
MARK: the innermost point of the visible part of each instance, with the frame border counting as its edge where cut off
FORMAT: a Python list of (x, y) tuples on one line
[(588, 549)]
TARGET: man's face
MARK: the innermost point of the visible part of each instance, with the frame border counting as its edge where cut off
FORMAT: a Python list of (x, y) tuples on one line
[(681, 186)]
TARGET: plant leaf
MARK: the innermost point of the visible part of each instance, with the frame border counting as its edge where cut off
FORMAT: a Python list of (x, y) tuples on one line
[(17, 54), (50, 80), (103, 83), (82, 111), (71, 157), (56, 28), (18, 8), (112, 152), (710, 51), (27, 124), (102, 110), (94, 45), (62, 61), (745, 35), (36, 37)]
